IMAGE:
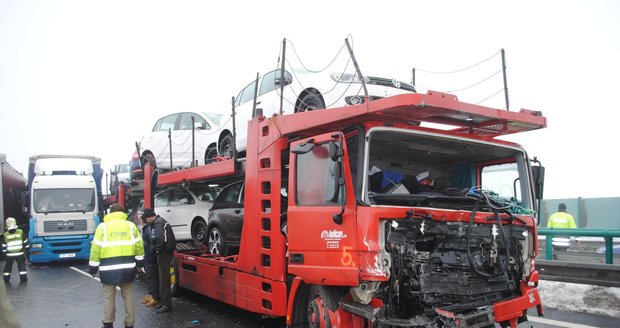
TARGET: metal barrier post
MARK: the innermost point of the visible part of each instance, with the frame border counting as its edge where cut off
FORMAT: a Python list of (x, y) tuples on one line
[(609, 250), (549, 247)]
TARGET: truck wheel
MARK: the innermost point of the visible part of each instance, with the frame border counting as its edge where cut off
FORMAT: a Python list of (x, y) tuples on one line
[(217, 242), (310, 102), (226, 146), (199, 232), (322, 307)]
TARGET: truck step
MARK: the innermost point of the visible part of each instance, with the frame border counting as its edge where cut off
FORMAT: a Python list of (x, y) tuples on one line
[(363, 310)]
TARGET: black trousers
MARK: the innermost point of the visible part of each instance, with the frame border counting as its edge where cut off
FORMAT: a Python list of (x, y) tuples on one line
[(21, 266), (152, 279), (164, 259)]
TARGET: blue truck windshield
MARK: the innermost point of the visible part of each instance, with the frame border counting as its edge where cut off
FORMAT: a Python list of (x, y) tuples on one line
[(63, 200)]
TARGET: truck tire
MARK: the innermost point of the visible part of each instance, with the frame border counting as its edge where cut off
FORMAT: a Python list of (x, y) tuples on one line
[(199, 231), (318, 306), (309, 102), (216, 243)]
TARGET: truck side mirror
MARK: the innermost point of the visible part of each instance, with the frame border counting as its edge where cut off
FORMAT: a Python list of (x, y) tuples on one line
[(335, 151), (538, 173), (25, 200)]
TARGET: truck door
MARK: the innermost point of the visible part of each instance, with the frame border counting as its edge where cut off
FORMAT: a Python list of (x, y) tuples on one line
[(321, 212)]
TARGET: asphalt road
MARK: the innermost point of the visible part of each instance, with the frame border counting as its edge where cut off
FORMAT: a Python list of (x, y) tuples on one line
[(64, 295)]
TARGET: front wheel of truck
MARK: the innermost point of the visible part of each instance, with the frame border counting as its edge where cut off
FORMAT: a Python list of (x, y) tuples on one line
[(319, 306)]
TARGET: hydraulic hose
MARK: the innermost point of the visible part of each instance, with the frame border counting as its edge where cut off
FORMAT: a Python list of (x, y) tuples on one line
[(469, 256)]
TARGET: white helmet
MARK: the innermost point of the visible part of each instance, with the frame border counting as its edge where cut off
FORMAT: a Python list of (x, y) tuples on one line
[(11, 223)]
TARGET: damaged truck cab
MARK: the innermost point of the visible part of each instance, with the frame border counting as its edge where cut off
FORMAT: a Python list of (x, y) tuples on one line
[(425, 227)]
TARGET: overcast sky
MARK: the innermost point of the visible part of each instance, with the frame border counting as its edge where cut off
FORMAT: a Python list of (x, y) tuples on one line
[(86, 77)]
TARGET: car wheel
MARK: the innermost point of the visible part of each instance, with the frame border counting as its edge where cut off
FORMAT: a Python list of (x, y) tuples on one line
[(210, 155), (310, 102), (199, 232), (216, 243), (226, 146), (148, 158)]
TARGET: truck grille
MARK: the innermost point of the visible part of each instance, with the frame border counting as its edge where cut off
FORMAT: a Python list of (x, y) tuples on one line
[(65, 225)]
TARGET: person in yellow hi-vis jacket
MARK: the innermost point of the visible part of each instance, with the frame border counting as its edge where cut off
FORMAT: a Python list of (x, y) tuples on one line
[(117, 253), (561, 220), (14, 246)]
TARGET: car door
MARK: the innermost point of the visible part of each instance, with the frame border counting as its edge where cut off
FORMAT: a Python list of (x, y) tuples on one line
[(227, 211), (180, 212), (269, 94), (161, 203), (182, 140), (244, 104)]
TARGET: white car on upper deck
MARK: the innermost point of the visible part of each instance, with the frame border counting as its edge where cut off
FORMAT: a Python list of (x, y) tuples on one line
[(302, 90), (177, 151)]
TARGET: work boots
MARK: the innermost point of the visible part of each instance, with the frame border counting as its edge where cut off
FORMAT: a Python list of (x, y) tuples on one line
[(153, 302), (147, 299), (108, 325)]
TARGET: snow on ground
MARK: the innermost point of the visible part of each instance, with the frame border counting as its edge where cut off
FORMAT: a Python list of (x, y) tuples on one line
[(580, 298)]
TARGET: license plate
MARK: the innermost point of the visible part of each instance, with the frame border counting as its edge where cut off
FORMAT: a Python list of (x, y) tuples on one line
[(66, 255)]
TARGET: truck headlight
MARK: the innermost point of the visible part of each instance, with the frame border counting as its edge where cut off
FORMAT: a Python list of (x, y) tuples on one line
[(36, 245)]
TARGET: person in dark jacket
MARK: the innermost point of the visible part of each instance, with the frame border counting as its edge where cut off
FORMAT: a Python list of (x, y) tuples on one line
[(117, 253), (163, 243), (150, 265)]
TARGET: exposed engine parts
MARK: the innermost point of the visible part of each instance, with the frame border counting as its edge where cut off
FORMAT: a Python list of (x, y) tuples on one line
[(451, 266)]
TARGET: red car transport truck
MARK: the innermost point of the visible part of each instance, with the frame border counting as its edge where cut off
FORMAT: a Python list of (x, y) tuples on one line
[(406, 211)]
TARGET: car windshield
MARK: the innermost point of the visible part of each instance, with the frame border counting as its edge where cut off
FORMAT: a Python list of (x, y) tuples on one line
[(206, 193), (215, 118), (123, 168)]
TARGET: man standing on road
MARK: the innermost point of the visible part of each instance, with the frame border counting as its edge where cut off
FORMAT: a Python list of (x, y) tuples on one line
[(117, 252), (163, 243), (152, 271), (14, 246), (561, 220)]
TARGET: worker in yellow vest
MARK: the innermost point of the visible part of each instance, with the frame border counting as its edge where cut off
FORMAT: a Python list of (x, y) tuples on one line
[(561, 220), (117, 253), (14, 246)]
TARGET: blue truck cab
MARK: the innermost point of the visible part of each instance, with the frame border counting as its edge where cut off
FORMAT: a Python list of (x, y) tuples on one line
[(64, 192)]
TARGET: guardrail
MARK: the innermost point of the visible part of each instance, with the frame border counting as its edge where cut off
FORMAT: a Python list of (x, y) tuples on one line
[(581, 273), (607, 234)]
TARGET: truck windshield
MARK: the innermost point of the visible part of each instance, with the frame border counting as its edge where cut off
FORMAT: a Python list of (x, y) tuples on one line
[(428, 170), (63, 200)]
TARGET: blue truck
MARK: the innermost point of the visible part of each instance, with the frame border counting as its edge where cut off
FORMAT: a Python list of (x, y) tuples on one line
[(64, 196)]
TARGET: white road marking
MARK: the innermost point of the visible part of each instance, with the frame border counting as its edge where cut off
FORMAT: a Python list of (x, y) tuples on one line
[(557, 323), (88, 275)]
